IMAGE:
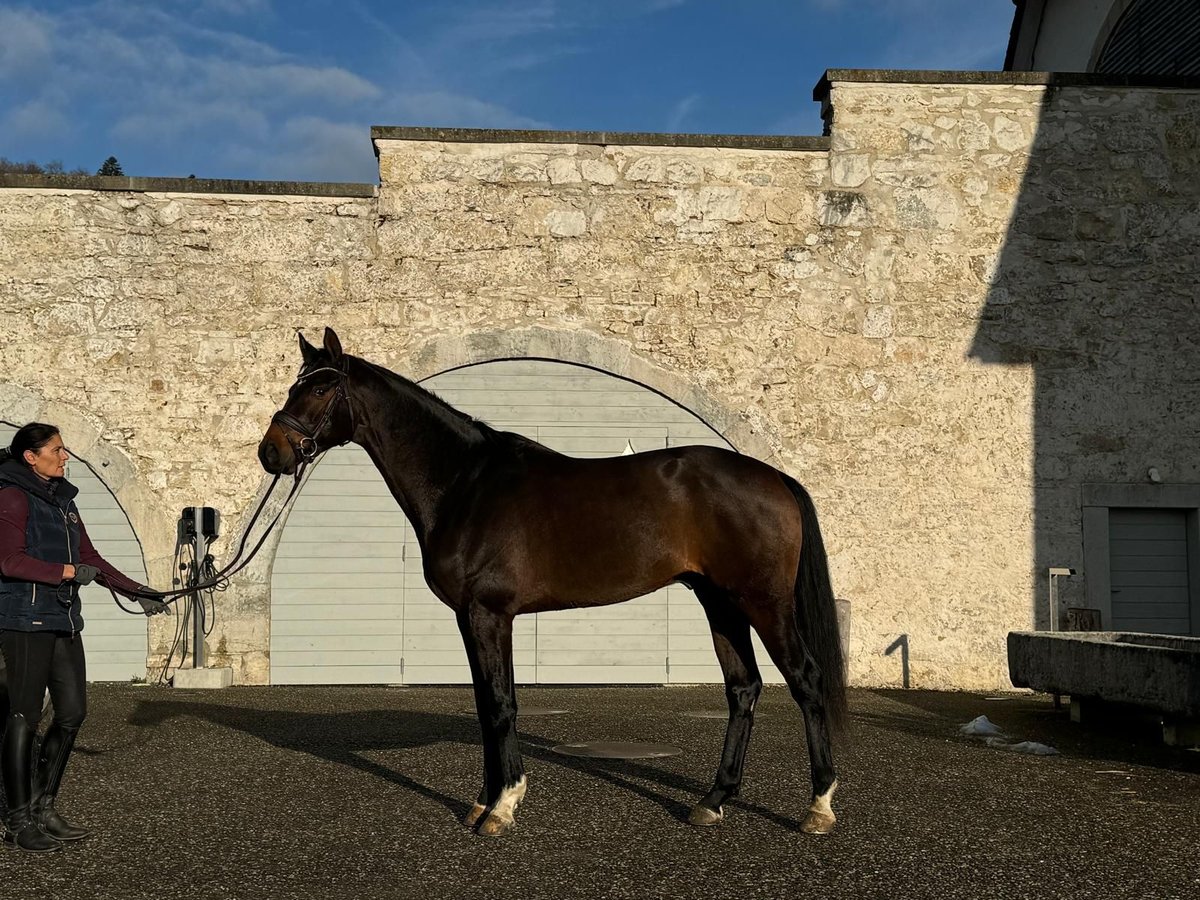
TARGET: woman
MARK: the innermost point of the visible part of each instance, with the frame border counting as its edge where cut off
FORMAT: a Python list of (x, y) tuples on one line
[(45, 555)]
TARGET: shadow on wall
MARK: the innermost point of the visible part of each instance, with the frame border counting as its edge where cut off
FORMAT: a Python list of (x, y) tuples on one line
[(901, 644), (1096, 289)]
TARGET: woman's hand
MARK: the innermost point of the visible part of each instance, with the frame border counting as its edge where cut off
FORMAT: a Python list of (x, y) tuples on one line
[(85, 574), (68, 572)]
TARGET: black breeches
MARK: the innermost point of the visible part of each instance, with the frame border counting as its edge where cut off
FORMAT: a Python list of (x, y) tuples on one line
[(37, 660)]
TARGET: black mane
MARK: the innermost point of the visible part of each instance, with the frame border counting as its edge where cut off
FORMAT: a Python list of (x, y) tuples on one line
[(456, 418)]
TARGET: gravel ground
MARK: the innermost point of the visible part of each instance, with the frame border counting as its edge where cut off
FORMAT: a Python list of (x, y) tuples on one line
[(354, 792)]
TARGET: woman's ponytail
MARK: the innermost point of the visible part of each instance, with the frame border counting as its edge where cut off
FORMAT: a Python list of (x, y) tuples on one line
[(33, 436)]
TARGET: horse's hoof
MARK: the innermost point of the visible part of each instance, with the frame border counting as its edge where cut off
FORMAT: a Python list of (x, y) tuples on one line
[(471, 818), (494, 826), (818, 822), (702, 815)]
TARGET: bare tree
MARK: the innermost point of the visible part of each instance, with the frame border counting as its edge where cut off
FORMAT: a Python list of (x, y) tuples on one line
[(54, 167)]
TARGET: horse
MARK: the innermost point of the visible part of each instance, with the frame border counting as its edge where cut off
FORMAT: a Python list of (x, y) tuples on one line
[(508, 526)]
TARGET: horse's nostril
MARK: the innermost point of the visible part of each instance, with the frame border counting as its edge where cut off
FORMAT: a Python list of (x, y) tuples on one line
[(268, 455)]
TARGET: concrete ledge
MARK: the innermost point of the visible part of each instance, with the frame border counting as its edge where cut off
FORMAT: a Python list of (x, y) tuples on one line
[(1151, 671), (203, 679), (189, 185), (982, 78), (604, 138)]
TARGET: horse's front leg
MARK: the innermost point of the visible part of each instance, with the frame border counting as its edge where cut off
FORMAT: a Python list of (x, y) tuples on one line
[(488, 640)]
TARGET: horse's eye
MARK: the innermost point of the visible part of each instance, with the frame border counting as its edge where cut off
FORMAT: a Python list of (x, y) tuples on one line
[(320, 392)]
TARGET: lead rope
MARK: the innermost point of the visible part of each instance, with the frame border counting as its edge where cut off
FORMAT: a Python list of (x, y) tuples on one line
[(216, 581), (219, 581)]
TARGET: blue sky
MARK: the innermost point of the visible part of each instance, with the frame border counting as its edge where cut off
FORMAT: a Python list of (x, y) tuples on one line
[(288, 89)]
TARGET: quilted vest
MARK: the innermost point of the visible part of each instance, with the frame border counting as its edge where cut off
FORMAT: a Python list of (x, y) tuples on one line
[(52, 533)]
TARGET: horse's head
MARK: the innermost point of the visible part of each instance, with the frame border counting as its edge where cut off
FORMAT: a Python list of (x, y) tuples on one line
[(316, 415)]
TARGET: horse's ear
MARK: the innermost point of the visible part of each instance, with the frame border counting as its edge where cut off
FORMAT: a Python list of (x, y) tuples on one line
[(333, 346), (307, 351)]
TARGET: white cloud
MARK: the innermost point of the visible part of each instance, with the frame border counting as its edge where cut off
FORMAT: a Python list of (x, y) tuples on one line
[(339, 151), (191, 122), (495, 24), (181, 87), (25, 40), (681, 111), (451, 110), (34, 120), (234, 7), (284, 83)]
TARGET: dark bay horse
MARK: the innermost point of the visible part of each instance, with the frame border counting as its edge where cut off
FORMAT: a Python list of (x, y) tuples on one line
[(507, 526)]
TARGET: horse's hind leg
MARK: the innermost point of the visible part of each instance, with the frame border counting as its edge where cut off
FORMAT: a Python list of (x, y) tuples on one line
[(488, 640), (782, 639), (731, 637)]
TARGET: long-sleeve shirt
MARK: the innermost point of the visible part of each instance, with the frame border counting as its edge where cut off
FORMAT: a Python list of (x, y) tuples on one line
[(16, 563)]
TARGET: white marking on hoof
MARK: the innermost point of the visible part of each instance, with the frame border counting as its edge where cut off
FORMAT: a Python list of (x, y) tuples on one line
[(820, 818), (501, 818)]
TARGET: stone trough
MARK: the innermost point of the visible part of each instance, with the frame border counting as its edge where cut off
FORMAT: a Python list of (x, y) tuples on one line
[(1107, 672)]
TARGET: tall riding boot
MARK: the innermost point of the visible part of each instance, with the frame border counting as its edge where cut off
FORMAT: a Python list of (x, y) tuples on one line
[(21, 832), (52, 762)]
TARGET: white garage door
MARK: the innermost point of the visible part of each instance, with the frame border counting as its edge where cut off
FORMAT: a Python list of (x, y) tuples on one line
[(349, 600), (115, 640)]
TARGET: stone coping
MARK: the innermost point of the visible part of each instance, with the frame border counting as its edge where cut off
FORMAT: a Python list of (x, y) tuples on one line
[(189, 185), (984, 78), (640, 139)]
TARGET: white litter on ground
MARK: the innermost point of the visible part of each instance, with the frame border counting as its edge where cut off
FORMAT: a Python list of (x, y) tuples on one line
[(981, 726), (1033, 748), (994, 736)]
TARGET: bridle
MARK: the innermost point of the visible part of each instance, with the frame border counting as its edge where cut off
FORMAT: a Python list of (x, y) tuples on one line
[(307, 449)]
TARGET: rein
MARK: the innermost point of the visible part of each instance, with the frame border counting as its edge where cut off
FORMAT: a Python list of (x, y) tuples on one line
[(307, 452), (220, 580)]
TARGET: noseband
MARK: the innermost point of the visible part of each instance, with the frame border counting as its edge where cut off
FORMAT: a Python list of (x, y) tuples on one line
[(307, 449)]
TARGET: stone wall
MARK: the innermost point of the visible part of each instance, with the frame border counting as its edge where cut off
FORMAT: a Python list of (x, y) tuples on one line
[(903, 315), (162, 323)]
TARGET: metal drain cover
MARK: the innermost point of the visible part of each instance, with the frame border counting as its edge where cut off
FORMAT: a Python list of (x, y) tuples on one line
[(617, 750)]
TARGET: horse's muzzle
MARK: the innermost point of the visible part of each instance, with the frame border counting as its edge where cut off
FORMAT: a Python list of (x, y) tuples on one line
[(275, 453)]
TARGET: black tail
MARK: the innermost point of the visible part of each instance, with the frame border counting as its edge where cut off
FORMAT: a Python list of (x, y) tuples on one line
[(816, 612)]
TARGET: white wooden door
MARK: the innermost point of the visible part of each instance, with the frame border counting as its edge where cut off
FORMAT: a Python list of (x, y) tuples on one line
[(337, 585)]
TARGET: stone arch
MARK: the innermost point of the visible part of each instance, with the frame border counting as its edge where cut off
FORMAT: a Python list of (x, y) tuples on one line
[(154, 531), (750, 432)]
